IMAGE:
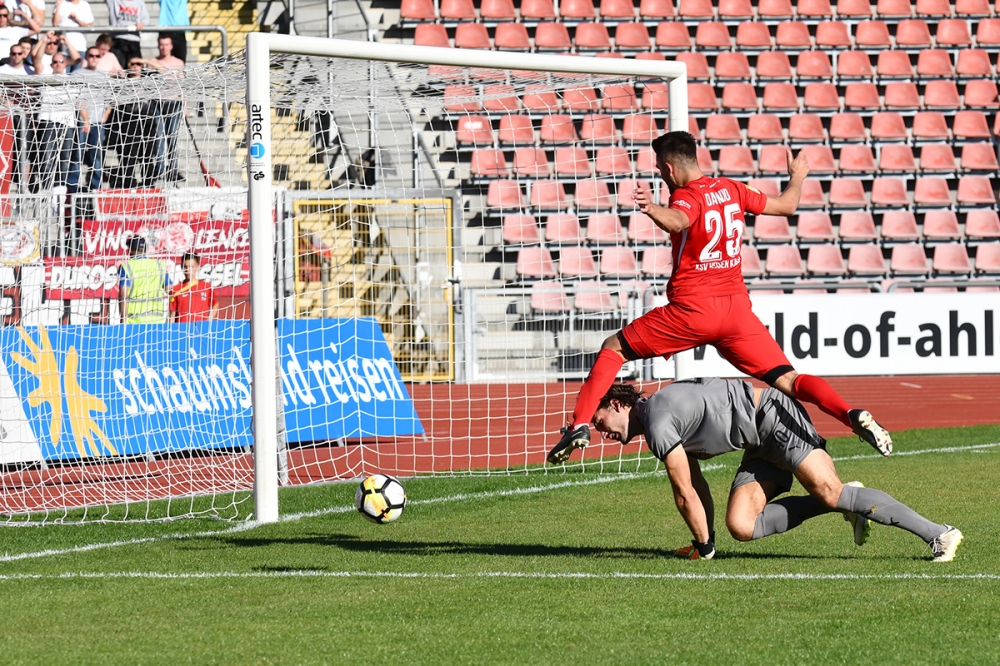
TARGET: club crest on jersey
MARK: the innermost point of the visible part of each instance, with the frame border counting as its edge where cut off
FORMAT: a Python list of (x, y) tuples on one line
[(716, 198)]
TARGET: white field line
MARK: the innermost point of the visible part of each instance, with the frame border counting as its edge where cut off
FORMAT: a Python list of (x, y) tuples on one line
[(156, 575), (250, 524)]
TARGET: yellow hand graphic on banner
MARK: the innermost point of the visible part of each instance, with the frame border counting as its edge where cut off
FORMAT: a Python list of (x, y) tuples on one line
[(46, 369), (79, 405)]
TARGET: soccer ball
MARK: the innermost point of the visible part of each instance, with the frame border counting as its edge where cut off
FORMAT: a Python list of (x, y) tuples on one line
[(380, 498)]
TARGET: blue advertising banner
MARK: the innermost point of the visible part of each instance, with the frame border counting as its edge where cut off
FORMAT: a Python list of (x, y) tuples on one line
[(81, 391)]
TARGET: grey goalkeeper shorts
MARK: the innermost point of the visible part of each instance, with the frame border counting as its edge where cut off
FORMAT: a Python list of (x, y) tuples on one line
[(787, 436)]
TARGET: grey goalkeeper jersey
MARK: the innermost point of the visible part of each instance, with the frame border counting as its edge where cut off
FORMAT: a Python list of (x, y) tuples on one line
[(707, 416)]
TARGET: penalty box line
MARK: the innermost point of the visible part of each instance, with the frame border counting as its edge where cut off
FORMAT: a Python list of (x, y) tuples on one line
[(250, 524)]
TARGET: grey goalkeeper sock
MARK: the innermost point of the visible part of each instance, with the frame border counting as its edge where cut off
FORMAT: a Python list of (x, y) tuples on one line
[(878, 506), (783, 514)]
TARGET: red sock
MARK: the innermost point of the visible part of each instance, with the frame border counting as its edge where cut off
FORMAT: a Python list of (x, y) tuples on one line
[(811, 388), (600, 379)]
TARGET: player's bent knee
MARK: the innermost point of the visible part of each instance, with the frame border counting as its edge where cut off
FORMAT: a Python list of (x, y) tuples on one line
[(786, 383), (613, 343), (740, 528)]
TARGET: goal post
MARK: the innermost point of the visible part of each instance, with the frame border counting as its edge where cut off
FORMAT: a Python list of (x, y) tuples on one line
[(259, 50)]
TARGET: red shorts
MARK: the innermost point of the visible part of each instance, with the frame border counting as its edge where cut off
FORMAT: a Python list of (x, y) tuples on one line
[(725, 322)]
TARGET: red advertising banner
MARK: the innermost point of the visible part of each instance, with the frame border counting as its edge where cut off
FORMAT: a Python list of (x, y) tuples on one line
[(6, 152)]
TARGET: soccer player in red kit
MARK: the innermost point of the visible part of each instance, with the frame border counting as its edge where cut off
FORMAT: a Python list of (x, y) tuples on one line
[(193, 299), (708, 300)]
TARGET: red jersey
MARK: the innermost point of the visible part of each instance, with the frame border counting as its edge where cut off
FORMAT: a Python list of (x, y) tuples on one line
[(192, 301), (707, 253)]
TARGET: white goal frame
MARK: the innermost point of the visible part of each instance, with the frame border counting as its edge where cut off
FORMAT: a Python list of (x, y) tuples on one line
[(259, 47)]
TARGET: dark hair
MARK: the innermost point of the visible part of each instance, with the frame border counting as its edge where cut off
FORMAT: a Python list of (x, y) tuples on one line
[(626, 394), (676, 147), (192, 256), (165, 35), (104, 39), (136, 244)]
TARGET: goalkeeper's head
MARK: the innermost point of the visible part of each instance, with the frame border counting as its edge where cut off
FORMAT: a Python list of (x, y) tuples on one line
[(613, 418)]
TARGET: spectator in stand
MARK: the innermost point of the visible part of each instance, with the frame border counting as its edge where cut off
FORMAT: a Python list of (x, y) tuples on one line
[(167, 113), (128, 135), (175, 13), (17, 96), (34, 7), (55, 127), (142, 286), (194, 300), (12, 29), (47, 46), (109, 61), (72, 14), (94, 114), (127, 14), (15, 63)]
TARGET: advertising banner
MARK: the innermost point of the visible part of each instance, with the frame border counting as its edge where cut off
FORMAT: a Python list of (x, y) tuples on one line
[(871, 334)]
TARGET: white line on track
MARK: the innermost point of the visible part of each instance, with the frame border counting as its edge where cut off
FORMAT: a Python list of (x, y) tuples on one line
[(250, 524), (155, 575)]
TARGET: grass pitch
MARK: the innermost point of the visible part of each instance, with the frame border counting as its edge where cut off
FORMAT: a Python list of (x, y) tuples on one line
[(541, 568)]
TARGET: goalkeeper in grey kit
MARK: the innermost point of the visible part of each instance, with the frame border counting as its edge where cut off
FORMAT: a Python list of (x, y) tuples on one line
[(698, 419)]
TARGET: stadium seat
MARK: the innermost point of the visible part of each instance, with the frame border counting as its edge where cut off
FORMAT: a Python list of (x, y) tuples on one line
[(930, 125), (981, 94), (854, 9), (521, 230), (576, 262), (855, 158), (814, 9), (866, 260), (592, 298), (739, 96), (547, 195), (750, 261), (461, 98), (889, 192), (808, 128), (894, 9), (612, 161), (953, 33), (784, 260), (861, 96), (515, 129), (549, 297), (792, 35), (848, 127), (531, 162), (705, 162), (872, 35), (697, 10), (656, 9), (645, 161), (672, 35), (617, 9), (472, 36), (893, 64), (900, 225), (632, 37), (552, 36), (974, 63), (833, 35), (431, 34), (604, 228), (825, 260), (592, 195), (640, 128), (417, 10), (897, 158), (778, 96), (940, 94), (732, 65), (854, 65), (618, 263), (774, 9), (764, 128), (657, 261), (583, 98), (736, 160), (768, 186), (572, 162), (820, 159), (723, 128), (535, 262), (971, 125), (656, 98), (735, 10), (619, 97), (701, 97), (975, 191), (474, 130), (903, 95), (914, 34), (821, 97), (888, 126), (697, 64), (712, 35), (909, 259), (951, 258), (504, 195), (814, 226), (500, 97), (982, 223), (489, 163), (988, 32), (937, 157), (577, 9), (642, 229), (625, 187), (538, 99), (933, 8), (932, 191), (847, 193), (979, 157), (512, 37), (753, 35), (535, 10), (772, 229), (973, 8), (941, 225), (933, 63), (563, 229), (592, 37), (598, 128), (498, 10), (988, 258), (774, 65), (458, 10), (557, 129), (773, 159), (857, 226)]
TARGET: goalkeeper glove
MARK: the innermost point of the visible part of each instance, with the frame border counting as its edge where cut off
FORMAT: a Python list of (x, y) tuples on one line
[(697, 551)]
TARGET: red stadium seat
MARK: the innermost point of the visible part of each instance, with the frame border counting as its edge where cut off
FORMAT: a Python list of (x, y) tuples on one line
[(909, 260), (833, 35), (474, 129), (857, 225), (774, 9), (854, 9), (975, 191), (861, 96), (672, 35), (563, 228), (815, 226), (592, 195), (461, 98), (596, 299), (894, 65), (577, 262), (537, 98), (848, 127), (417, 10), (535, 262), (932, 191), (735, 9), (897, 158), (971, 125), (549, 297), (784, 260), (531, 162), (814, 9), (889, 192), (613, 161), (825, 260), (812, 195), (750, 261), (557, 129), (732, 65), (847, 193), (656, 9), (821, 97), (505, 195), (980, 94), (723, 128), (941, 225), (458, 10), (979, 157), (973, 8), (772, 228), (774, 65), (705, 161), (736, 160), (642, 229), (913, 33), (655, 97), (854, 65), (618, 263), (902, 95), (521, 230), (900, 225), (657, 261), (753, 35), (498, 10), (872, 35), (934, 63), (931, 125), (431, 34), (808, 128), (941, 95), (933, 8), (988, 258), (626, 186), (953, 33), (695, 9), (645, 161), (512, 37), (500, 97), (472, 36), (697, 64), (619, 97), (632, 37), (768, 186), (515, 130), (572, 161), (937, 157), (773, 159), (592, 37), (866, 260), (552, 36), (894, 9), (604, 228), (701, 97), (820, 159), (812, 65), (765, 128), (598, 128), (547, 195), (856, 158), (738, 96), (778, 96), (982, 224), (793, 35), (534, 10), (640, 128), (712, 35), (974, 62), (583, 98), (988, 32), (952, 258), (617, 9), (489, 163), (577, 9)]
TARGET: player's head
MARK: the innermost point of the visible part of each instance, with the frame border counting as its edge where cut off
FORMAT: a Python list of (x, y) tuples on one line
[(136, 245), (676, 158), (612, 418), (190, 262)]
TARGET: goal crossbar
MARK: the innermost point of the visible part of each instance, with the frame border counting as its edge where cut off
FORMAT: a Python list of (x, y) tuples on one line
[(259, 48)]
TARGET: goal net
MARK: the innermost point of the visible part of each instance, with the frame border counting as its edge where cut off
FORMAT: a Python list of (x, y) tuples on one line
[(416, 254)]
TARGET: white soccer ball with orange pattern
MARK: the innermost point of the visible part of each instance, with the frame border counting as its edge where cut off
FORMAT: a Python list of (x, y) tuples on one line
[(380, 498)]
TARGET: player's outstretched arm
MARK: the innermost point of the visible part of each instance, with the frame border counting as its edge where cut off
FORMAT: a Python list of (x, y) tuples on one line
[(788, 202), (685, 496), (671, 221)]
